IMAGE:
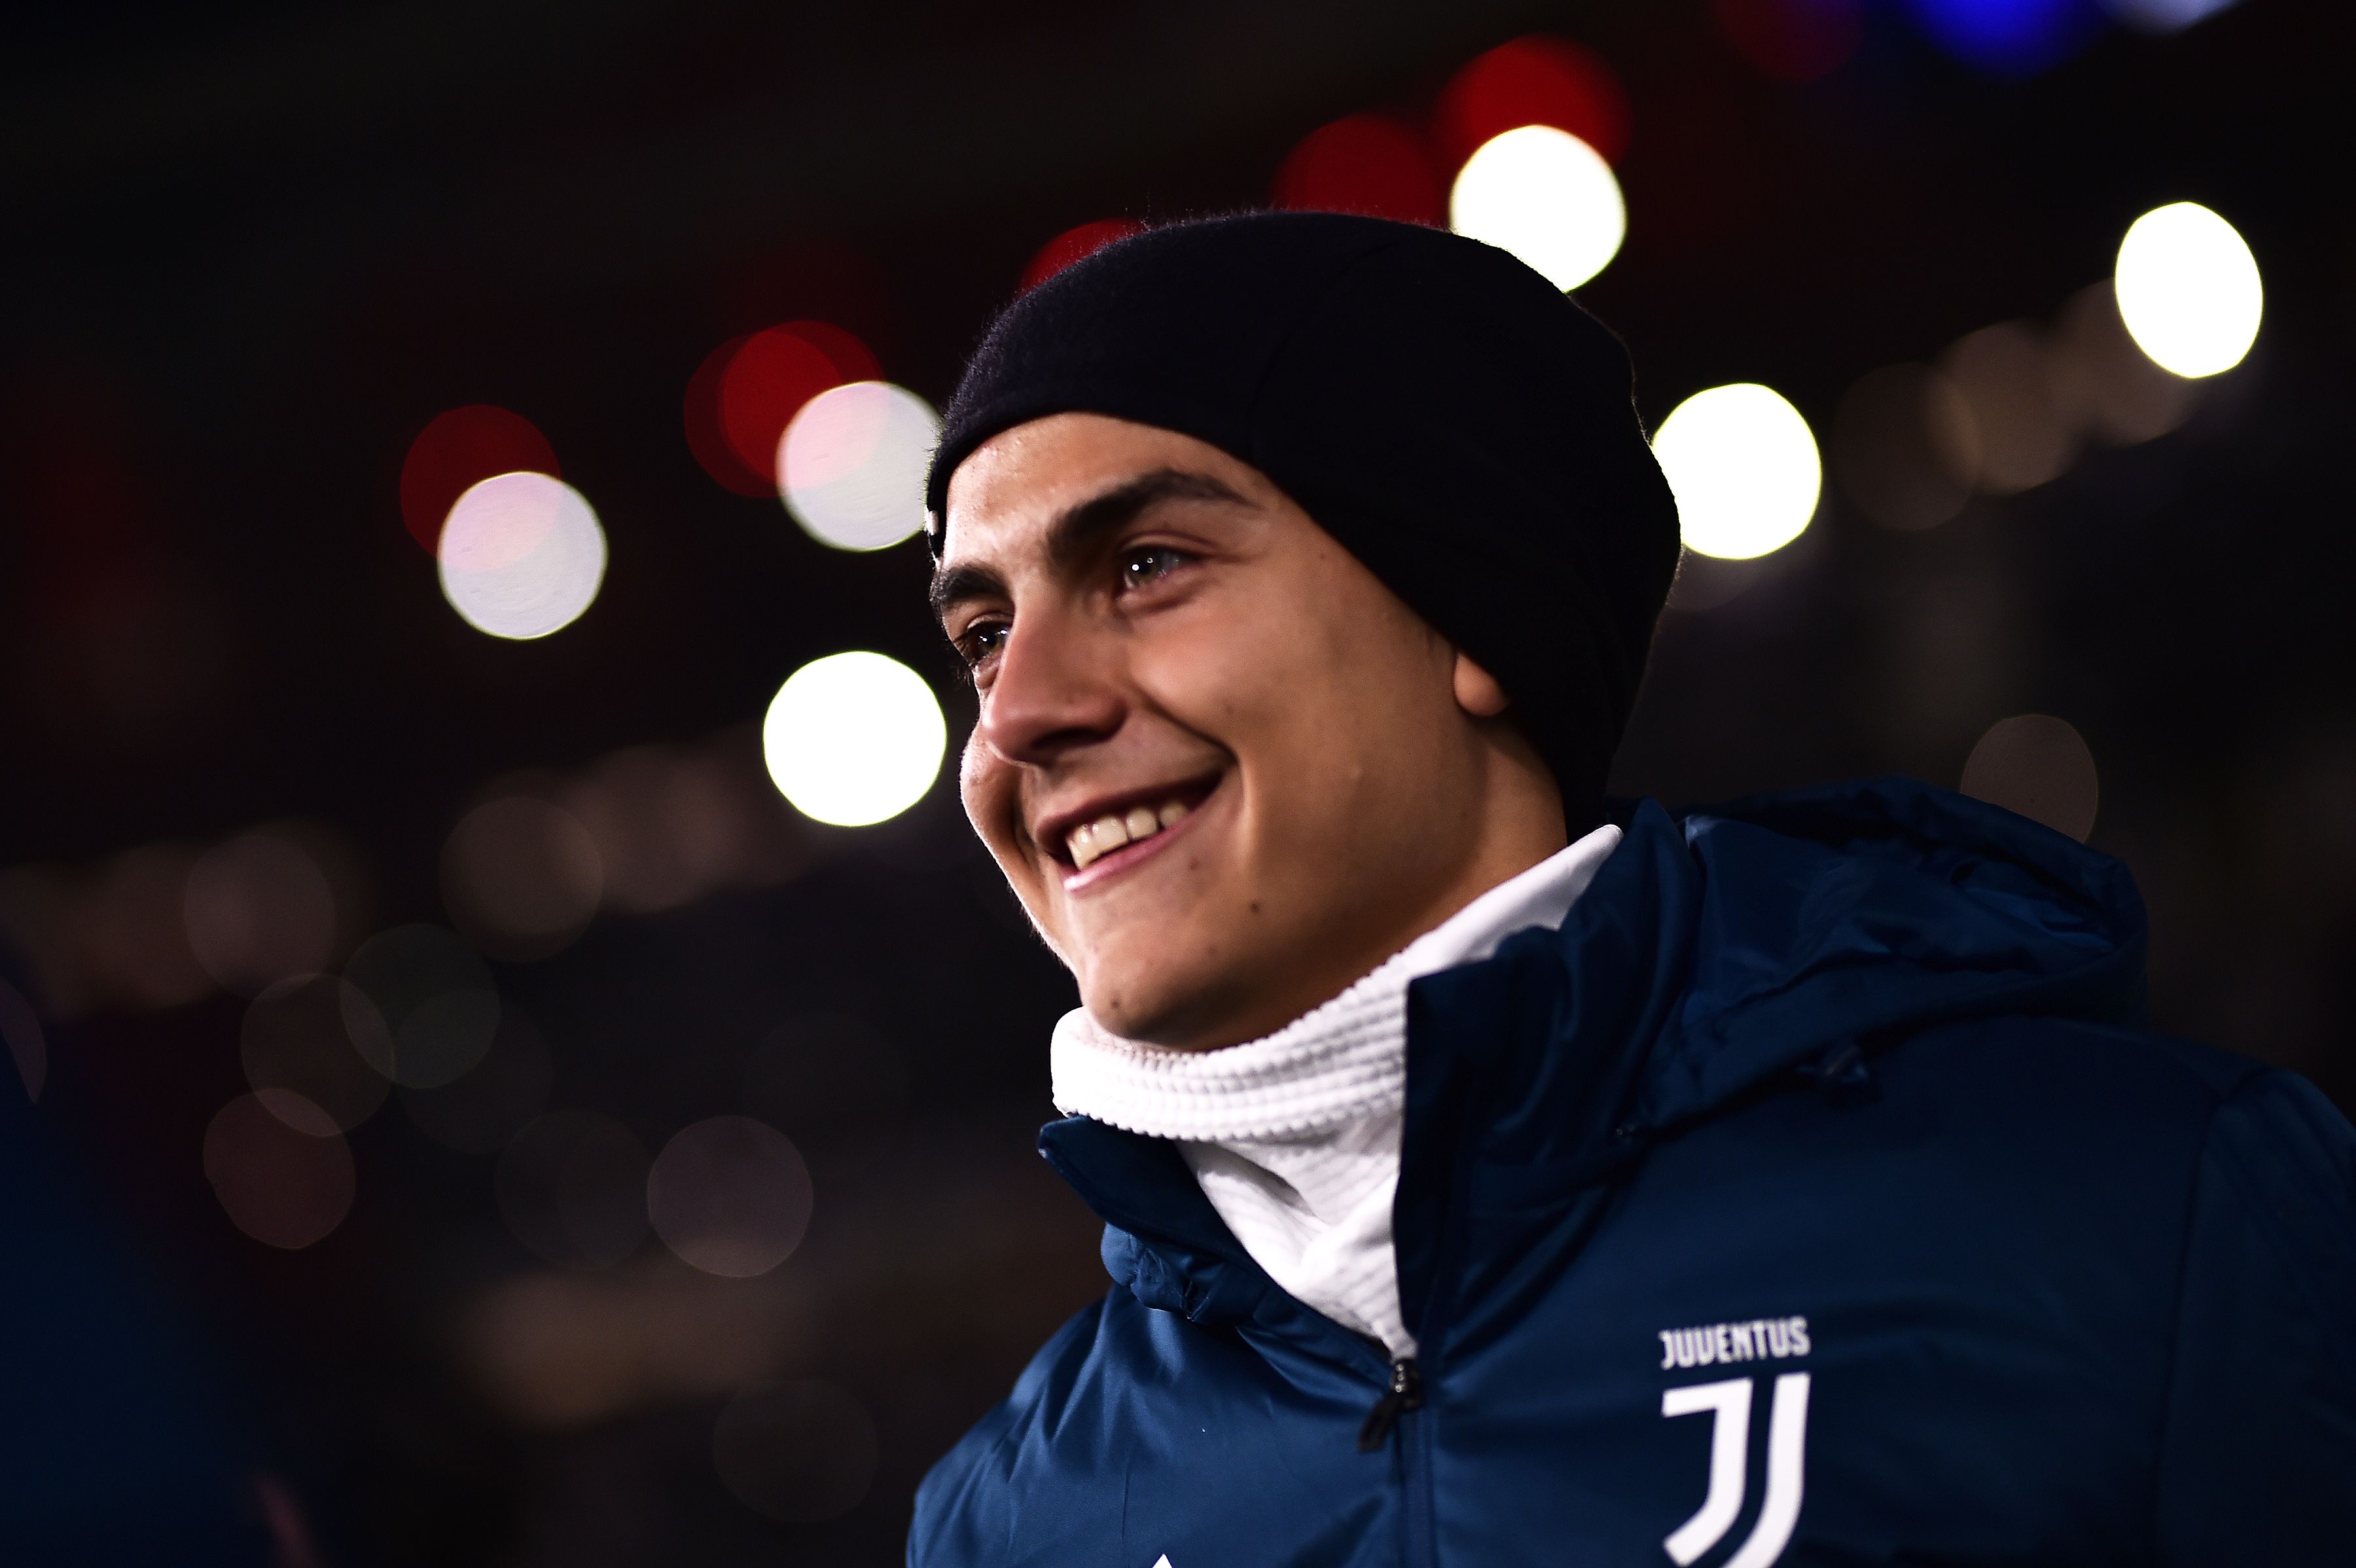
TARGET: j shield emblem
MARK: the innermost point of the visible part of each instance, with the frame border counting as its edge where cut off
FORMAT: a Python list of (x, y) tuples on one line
[(1728, 1405)]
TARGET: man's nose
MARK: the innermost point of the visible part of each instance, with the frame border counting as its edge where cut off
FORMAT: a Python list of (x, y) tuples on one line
[(1055, 690)]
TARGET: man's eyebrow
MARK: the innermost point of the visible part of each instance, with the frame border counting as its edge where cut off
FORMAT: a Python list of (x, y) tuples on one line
[(1078, 527), (1081, 525), (954, 586)]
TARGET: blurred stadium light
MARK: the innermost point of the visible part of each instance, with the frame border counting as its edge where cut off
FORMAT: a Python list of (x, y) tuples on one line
[(1074, 244), (854, 739), (522, 556), (1376, 165), (851, 465), (1545, 196), (457, 450), (1743, 465), (2188, 289)]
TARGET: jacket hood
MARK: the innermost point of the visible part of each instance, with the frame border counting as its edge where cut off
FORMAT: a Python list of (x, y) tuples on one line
[(1847, 916)]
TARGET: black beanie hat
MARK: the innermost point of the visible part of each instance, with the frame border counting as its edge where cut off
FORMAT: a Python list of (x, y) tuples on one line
[(1447, 414)]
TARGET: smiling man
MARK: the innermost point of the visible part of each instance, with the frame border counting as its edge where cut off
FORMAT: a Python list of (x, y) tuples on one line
[(1492, 1177)]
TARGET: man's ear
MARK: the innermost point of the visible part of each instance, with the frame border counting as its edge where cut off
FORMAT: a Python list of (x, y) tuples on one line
[(1477, 691)]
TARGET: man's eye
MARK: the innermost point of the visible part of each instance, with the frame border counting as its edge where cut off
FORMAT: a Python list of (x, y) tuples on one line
[(979, 643), (1145, 564)]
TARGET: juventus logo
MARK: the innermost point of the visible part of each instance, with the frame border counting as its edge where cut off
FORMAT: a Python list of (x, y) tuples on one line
[(1729, 1466)]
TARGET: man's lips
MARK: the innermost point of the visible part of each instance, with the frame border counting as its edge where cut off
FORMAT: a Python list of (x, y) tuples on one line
[(1079, 834), (1111, 841)]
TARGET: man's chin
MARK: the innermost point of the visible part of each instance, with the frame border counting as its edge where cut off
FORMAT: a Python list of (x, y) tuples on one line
[(1174, 1012)]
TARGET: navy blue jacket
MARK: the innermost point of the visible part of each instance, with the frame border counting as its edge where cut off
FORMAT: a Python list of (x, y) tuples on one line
[(1813, 1196)]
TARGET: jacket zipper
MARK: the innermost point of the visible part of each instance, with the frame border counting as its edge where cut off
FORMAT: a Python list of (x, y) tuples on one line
[(1404, 1393)]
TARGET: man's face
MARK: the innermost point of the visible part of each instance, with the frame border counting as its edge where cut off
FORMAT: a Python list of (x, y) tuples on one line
[(1223, 766)]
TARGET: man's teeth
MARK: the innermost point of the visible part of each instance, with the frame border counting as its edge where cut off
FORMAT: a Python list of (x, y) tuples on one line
[(1093, 841)]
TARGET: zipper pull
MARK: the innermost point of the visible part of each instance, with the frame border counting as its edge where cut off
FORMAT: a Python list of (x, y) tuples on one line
[(1405, 1393)]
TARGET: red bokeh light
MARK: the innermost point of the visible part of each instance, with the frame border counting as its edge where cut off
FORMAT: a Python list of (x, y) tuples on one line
[(1533, 80), (461, 449), (705, 437), (1074, 244), (1792, 41), (747, 391), (1367, 162)]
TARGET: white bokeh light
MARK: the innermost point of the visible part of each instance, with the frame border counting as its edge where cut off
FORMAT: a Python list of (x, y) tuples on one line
[(1545, 196), (854, 738), (1743, 467), (521, 555), (850, 466), (2188, 289)]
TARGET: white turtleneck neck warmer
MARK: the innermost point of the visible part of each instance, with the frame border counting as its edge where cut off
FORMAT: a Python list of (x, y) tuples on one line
[(1295, 1136)]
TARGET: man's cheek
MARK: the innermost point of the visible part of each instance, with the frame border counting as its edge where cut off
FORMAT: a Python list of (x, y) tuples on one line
[(985, 792), (1210, 671), (970, 786)]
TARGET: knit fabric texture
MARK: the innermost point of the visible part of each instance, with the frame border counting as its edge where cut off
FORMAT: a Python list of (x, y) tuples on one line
[(1295, 1137), (1453, 419)]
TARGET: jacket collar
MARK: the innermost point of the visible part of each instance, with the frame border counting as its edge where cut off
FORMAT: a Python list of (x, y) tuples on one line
[(1469, 1030)]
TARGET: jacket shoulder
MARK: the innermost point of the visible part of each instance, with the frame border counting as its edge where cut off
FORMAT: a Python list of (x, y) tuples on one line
[(1046, 1475), (2261, 1431), (2055, 1059), (2263, 1157), (965, 1513)]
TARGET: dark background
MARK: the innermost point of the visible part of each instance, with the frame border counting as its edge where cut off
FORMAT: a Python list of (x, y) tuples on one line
[(249, 253)]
